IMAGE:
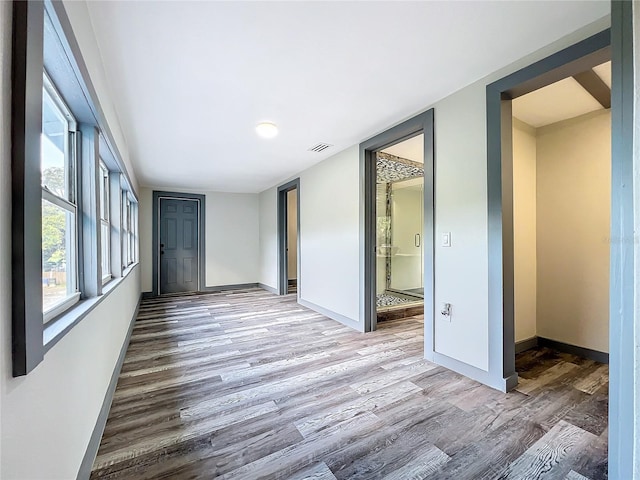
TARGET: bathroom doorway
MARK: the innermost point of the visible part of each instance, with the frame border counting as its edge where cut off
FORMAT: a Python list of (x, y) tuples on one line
[(399, 229), (289, 238), (397, 253)]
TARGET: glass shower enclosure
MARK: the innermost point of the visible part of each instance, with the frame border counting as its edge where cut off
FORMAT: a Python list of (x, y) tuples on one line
[(399, 230)]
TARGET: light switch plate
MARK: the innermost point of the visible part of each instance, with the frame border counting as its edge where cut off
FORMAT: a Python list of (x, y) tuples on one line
[(446, 239)]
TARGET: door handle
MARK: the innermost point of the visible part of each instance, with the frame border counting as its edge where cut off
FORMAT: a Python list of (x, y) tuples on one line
[(416, 240)]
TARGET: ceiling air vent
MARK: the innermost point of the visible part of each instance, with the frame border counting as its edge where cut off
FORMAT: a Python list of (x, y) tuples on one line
[(319, 147)]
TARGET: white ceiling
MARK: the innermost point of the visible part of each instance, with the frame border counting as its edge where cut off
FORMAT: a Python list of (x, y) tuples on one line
[(190, 80), (559, 101), (411, 149)]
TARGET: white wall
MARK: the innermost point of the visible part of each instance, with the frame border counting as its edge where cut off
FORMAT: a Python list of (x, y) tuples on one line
[(231, 236), (461, 208), (80, 19), (268, 275), (573, 228), (524, 229), (461, 276), (5, 213), (48, 416), (329, 237)]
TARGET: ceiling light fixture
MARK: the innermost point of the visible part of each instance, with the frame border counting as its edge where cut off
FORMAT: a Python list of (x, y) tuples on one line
[(267, 129)]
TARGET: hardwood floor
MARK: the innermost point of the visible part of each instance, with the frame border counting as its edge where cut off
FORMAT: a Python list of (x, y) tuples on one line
[(250, 385)]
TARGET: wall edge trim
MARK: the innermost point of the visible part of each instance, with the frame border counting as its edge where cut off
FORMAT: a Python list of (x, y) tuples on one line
[(84, 471), (475, 373), (235, 286), (338, 317), (526, 344), (268, 288), (584, 352)]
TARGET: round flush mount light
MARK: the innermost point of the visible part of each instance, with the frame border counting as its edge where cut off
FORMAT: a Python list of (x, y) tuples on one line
[(267, 129)]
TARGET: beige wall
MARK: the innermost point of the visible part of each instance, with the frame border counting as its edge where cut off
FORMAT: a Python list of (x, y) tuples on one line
[(231, 236), (562, 176), (524, 229), (292, 234), (573, 225)]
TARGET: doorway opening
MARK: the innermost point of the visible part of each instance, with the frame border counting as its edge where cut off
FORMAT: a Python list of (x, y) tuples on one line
[(397, 264), (178, 243), (571, 62), (549, 206), (289, 238), (561, 154), (400, 230), (561, 158)]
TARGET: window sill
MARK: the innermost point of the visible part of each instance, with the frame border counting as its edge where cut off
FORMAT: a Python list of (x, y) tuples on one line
[(61, 307), (58, 327)]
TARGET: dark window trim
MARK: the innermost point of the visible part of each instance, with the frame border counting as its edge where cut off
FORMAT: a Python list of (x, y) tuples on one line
[(66, 70), (283, 286), (422, 123), (26, 126), (157, 195)]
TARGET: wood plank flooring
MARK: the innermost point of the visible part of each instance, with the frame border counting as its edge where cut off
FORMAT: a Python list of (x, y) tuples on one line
[(248, 385)]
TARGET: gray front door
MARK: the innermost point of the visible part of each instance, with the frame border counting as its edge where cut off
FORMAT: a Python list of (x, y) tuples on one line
[(179, 249)]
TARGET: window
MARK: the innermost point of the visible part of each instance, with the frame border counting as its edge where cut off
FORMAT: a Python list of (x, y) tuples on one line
[(129, 229), (105, 223), (59, 206), (62, 220)]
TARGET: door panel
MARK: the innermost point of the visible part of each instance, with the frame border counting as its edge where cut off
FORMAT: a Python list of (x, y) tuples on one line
[(407, 220), (179, 252)]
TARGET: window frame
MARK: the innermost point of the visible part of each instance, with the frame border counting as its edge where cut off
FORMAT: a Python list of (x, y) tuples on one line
[(69, 204), (105, 221), (43, 39)]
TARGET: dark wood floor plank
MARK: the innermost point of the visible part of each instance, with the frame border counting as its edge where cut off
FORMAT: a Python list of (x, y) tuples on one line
[(247, 384)]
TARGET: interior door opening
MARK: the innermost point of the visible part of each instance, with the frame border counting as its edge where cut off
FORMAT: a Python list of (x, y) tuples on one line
[(549, 182), (292, 241), (178, 243), (179, 259), (561, 154), (289, 238), (397, 252), (400, 229)]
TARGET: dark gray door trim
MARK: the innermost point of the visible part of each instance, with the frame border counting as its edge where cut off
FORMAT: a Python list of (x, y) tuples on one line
[(422, 123), (282, 235), (622, 337), (565, 63), (202, 264)]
